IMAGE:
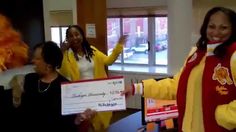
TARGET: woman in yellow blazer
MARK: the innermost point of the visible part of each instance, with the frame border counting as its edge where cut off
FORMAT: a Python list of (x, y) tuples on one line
[(83, 61)]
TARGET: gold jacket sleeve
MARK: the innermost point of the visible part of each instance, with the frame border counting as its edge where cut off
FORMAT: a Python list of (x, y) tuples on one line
[(226, 114), (165, 88)]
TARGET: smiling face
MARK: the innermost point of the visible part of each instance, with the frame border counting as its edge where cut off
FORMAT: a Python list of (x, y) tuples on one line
[(219, 27), (74, 38)]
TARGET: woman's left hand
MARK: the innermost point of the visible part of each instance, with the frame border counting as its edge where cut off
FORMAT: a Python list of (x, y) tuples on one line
[(123, 39), (88, 114)]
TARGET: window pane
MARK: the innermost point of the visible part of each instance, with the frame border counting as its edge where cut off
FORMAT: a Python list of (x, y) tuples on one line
[(113, 33), (55, 35), (136, 48), (161, 40), (63, 33)]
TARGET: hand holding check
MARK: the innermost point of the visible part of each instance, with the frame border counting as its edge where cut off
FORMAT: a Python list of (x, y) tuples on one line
[(88, 114)]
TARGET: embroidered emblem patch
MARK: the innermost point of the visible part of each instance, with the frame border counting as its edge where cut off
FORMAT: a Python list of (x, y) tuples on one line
[(222, 90), (194, 56), (221, 74)]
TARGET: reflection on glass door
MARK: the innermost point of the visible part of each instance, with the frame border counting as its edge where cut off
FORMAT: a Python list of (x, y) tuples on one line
[(136, 49), (55, 35), (58, 34), (161, 40), (113, 34)]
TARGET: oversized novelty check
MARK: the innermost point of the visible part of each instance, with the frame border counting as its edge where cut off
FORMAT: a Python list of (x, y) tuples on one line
[(99, 95)]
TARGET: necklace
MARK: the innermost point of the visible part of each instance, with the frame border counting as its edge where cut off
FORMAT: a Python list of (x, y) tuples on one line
[(42, 91)]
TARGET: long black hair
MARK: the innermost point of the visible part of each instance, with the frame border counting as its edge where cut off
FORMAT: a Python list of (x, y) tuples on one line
[(86, 47), (221, 49)]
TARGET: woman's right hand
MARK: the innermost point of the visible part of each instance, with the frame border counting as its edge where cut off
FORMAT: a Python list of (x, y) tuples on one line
[(127, 92), (65, 46)]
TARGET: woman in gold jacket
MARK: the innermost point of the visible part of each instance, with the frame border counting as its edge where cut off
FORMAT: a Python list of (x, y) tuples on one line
[(83, 61), (205, 88)]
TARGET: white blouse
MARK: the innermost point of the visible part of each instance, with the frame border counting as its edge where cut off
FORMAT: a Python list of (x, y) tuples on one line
[(86, 68)]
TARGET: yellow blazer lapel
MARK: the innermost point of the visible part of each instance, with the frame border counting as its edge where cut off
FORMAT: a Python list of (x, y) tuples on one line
[(74, 66)]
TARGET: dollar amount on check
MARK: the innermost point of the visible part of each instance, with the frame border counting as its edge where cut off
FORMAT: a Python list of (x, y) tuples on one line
[(99, 95)]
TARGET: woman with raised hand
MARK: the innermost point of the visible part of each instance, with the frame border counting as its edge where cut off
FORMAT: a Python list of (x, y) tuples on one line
[(83, 61)]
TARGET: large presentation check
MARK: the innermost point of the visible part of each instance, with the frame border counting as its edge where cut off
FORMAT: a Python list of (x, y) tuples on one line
[(98, 94)]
